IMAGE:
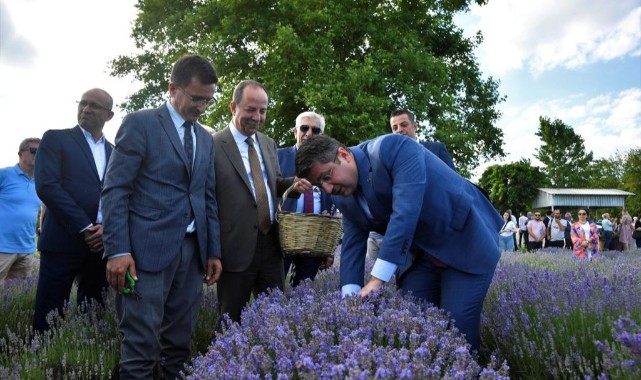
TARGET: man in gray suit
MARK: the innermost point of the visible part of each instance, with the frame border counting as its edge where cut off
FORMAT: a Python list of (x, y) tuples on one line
[(251, 254), (161, 222)]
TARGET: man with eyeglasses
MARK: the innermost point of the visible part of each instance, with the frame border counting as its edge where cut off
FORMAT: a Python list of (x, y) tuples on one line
[(69, 173), (536, 232), (314, 201), (161, 223), (19, 206), (440, 230)]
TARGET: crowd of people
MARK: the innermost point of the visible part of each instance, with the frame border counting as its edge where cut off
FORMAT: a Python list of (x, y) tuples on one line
[(561, 231), (170, 206)]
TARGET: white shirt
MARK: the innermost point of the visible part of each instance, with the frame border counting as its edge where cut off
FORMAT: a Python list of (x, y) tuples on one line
[(100, 160), (243, 148)]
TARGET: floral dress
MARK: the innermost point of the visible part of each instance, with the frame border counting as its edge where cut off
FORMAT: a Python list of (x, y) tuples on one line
[(579, 236), (625, 236)]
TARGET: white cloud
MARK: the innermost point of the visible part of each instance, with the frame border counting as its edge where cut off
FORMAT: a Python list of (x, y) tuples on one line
[(547, 34), (15, 49), (607, 123)]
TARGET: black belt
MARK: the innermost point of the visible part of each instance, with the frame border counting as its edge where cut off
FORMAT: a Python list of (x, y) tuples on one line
[(190, 235)]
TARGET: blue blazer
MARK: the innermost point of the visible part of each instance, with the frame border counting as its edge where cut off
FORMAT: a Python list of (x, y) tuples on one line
[(440, 150), (68, 184), (149, 196), (418, 203), (287, 163)]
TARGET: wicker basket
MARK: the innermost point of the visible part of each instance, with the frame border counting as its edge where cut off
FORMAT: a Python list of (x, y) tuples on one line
[(307, 234)]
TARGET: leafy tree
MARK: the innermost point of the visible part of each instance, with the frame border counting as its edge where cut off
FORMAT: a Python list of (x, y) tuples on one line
[(353, 61), (512, 186), (563, 154), (632, 181), (607, 173)]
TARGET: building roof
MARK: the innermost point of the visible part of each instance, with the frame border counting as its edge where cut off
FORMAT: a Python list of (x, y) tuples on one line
[(590, 198), (585, 191)]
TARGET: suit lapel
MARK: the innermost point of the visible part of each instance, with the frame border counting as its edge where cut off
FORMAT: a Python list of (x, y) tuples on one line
[(81, 140), (365, 180), (230, 149), (168, 126), (268, 157)]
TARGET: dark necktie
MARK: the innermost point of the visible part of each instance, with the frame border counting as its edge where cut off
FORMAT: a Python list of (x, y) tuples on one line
[(308, 201), (189, 144), (262, 202)]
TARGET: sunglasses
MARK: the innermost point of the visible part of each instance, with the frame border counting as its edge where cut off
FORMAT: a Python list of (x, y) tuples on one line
[(582, 213), (31, 150), (537, 215), (304, 128)]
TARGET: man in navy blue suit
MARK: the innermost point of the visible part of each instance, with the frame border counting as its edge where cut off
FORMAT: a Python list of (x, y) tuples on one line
[(403, 122), (161, 222), (440, 230), (70, 167), (313, 201)]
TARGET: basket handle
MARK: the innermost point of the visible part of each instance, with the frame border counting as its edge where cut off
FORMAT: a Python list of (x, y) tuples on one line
[(285, 195)]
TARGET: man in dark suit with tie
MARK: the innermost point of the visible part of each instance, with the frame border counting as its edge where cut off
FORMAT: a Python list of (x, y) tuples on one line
[(248, 185), (440, 230), (312, 202), (70, 165), (161, 222)]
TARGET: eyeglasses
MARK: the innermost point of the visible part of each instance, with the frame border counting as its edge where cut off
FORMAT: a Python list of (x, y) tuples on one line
[(537, 215), (304, 128), (92, 105), (329, 175), (198, 100), (583, 213), (31, 150)]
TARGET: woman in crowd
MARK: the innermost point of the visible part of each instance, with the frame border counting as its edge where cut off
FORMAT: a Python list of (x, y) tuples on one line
[(506, 238), (637, 231), (625, 235), (585, 239)]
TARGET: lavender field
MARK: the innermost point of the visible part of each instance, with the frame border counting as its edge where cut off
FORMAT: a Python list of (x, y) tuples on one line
[(546, 316)]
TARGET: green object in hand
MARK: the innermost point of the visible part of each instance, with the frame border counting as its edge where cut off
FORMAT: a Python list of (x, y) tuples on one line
[(130, 285)]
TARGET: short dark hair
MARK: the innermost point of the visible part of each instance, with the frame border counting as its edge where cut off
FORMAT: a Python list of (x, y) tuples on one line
[(403, 111), (191, 66), (319, 149), (240, 89), (24, 145)]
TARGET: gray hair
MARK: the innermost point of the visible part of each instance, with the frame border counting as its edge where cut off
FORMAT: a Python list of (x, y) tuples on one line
[(311, 115), (24, 145)]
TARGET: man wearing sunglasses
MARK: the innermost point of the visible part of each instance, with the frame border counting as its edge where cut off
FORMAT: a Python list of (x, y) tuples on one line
[(19, 205), (314, 201), (440, 229), (70, 167)]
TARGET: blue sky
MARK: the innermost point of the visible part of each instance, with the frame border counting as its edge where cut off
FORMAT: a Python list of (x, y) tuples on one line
[(575, 60)]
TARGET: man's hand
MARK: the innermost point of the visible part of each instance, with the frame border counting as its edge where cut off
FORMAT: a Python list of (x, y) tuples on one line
[(214, 270), (327, 263), (93, 238), (302, 185), (372, 285), (116, 270)]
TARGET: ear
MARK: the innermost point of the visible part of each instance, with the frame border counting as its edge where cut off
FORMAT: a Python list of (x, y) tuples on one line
[(345, 154), (232, 106)]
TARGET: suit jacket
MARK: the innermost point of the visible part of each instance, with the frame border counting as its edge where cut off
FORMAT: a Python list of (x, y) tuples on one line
[(286, 159), (68, 183), (236, 204), (419, 204), (440, 150), (150, 198)]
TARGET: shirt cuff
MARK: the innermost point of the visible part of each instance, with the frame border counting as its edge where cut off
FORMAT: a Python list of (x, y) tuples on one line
[(383, 270), (118, 255), (350, 289), (84, 229)]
